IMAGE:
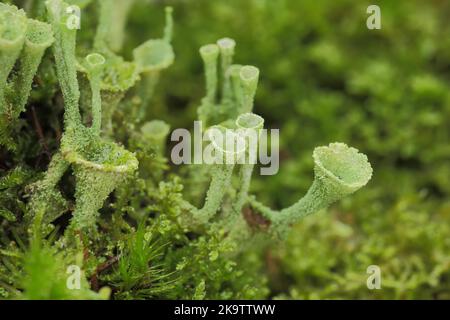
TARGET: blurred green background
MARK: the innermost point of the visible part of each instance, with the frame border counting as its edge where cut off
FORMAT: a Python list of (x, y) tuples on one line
[(325, 77)]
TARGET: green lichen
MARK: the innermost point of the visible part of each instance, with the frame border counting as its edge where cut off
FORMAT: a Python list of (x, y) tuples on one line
[(338, 171), (110, 202)]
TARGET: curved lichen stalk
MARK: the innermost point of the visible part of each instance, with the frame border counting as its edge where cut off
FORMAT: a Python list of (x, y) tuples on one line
[(46, 200), (339, 170), (225, 158)]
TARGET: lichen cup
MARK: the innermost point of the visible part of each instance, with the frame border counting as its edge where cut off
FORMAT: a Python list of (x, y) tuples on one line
[(249, 126), (226, 145), (154, 55), (339, 171), (99, 168), (155, 133), (151, 58)]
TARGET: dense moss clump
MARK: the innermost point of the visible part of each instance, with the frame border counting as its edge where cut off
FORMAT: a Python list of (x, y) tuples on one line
[(91, 207)]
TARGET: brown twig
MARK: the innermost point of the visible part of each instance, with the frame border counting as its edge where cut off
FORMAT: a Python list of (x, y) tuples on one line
[(100, 268)]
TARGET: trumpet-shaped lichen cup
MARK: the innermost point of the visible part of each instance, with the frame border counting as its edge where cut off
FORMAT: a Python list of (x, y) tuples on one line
[(99, 169)]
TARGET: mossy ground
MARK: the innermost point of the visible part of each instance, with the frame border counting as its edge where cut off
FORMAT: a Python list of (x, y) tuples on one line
[(324, 77)]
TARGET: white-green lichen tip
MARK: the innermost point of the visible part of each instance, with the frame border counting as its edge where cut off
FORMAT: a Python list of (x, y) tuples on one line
[(250, 121), (226, 45), (209, 52), (94, 60), (105, 157), (12, 24), (249, 74), (39, 34), (222, 147), (344, 165), (156, 128), (153, 56)]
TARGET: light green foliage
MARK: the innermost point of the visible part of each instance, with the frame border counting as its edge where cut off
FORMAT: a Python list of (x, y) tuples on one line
[(407, 243), (45, 277), (137, 274)]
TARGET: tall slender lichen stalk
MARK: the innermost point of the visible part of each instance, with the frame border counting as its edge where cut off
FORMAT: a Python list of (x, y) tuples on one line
[(249, 76), (226, 46), (94, 64), (250, 126), (228, 148), (66, 63), (112, 21), (209, 54)]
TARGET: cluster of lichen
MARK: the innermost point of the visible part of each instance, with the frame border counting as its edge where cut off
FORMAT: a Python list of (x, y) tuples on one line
[(327, 78), (110, 202)]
